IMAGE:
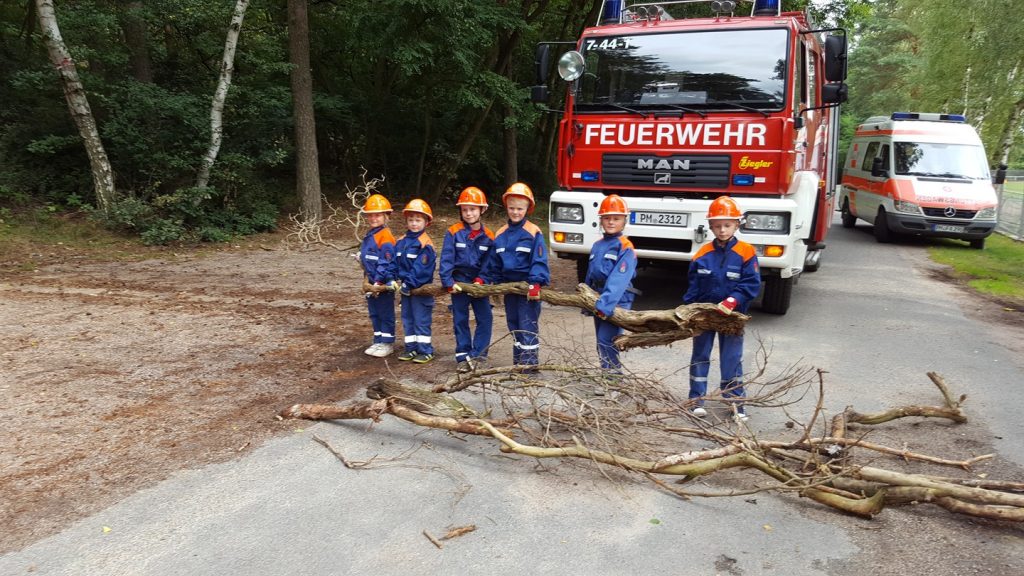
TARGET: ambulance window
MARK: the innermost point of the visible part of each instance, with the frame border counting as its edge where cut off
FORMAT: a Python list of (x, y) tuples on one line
[(869, 155), (885, 156)]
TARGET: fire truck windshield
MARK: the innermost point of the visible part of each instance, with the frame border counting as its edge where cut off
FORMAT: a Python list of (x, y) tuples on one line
[(718, 70)]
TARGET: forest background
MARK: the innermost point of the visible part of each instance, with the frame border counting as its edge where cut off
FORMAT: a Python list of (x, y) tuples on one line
[(430, 94)]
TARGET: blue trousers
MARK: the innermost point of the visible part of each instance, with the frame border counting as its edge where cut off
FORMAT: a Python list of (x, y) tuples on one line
[(417, 315), (382, 316), (730, 350), (523, 317), (606, 351), (471, 344)]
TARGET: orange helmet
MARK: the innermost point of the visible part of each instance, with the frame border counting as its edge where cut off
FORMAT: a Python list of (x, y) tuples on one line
[(472, 196), (724, 208), (417, 206), (613, 204), (375, 204), (521, 190)]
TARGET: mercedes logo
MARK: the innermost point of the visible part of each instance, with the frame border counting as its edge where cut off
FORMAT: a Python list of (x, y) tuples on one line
[(949, 211)]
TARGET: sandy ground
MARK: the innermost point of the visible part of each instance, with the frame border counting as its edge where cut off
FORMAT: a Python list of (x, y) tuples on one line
[(115, 375)]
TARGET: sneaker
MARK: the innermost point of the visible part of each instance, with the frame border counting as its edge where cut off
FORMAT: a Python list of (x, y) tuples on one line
[(372, 350), (741, 416), (383, 350), (422, 358), (463, 367), (407, 355), (478, 363), (699, 412)]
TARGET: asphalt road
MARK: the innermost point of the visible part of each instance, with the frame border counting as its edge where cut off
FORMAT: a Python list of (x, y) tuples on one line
[(872, 317)]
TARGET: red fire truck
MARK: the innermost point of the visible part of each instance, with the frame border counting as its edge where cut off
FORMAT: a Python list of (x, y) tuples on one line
[(671, 113)]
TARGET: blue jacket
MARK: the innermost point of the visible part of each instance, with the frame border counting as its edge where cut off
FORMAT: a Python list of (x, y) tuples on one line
[(519, 254), (414, 259), (611, 271), (461, 257), (376, 254), (718, 272)]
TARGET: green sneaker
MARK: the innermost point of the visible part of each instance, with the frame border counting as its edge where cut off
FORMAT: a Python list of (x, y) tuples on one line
[(422, 358), (407, 355)]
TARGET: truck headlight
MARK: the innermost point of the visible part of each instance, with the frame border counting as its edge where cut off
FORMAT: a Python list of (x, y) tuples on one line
[(572, 213), (986, 214), (766, 222), (906, 207)]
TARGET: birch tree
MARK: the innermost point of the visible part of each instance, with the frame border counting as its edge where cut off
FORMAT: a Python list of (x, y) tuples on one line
[(78, 104), (227, 68)]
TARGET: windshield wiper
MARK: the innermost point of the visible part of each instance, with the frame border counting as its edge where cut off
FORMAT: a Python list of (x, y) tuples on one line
[(740, 106), (939, 175), (616, 106), (700, 113)]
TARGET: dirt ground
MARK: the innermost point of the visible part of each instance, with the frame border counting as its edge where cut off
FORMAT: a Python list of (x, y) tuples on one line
[(115, 375)]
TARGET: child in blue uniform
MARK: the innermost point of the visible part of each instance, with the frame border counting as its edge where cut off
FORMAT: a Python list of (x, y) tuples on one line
[(725, 272), (520, 255), (610, 273), (467, 246), (414, 267), (375, 255)]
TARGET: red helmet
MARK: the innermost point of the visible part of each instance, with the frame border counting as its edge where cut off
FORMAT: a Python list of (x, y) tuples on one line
[(417, 206), (473, 196), (613, 204), (521, 190), (724, 208), (376, 204)]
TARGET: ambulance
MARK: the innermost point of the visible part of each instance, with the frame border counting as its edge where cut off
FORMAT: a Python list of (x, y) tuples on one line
[(921, 174)]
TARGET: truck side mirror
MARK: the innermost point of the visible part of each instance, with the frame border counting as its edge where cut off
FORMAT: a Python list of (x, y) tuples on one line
[(540, 62), (539, 93), (834, 93), (876, 168), (835, 58)]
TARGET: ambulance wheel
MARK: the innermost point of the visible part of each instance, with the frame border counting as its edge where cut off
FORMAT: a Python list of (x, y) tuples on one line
[(776, 296), (581, 269), (849, 219), (882, 232), (978, 244)]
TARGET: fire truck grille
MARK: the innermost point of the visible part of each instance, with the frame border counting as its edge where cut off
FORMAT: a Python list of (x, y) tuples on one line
[(683, 170), (953, 213)]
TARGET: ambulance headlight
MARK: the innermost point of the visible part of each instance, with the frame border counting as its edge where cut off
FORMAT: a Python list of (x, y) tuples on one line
[(766, 222), (571, 213), (906, 207), (987, 213), (570, 66)]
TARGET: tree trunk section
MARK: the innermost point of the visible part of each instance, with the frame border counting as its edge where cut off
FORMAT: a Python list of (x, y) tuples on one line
[(307, 169), (78, 104), (511, 148), (227, 68), (135, 36), (1013, 125)]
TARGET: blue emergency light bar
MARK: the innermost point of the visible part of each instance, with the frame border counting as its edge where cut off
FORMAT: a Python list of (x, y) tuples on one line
[(931, 117), (767, 7), (612, 12)]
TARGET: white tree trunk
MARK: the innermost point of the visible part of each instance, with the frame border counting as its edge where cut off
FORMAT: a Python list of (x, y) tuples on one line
[(227, 67), (1013, 125), (78, 104)]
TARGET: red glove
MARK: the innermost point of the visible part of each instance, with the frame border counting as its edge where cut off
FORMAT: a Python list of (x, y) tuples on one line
[(600, 314), (479, 281), (534, 293), (727, 306)]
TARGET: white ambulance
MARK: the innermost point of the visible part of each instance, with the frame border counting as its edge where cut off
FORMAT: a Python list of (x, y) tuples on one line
[(923, 174)]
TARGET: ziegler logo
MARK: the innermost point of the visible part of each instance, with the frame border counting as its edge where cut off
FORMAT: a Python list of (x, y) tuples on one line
[(662, 164), (747, 163)]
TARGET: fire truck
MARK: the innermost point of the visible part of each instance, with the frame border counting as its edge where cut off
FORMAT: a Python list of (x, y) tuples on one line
[(672, 112)]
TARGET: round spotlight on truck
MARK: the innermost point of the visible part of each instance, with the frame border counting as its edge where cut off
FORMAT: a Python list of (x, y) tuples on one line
[(570, 66)]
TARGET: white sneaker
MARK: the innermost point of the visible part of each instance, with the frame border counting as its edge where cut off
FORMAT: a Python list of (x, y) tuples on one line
[(699, 412), (742, 417), (383, 350), (372, 350)]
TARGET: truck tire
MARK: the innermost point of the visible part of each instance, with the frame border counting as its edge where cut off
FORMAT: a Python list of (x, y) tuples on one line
[(882, 232), (776, 296), (849, 218), (581, 269), (978, 244)]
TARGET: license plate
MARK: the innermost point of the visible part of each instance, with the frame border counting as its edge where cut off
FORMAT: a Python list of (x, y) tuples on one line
[(659, 218), (947, 228)]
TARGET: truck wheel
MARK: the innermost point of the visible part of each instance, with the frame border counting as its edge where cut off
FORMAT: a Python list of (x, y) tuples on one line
[(978, 244), (581, 269), (776, 296), (882, 232), (849, 219)]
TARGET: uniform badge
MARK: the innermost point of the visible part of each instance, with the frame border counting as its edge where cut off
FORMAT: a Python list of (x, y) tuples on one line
[(622, 267)]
